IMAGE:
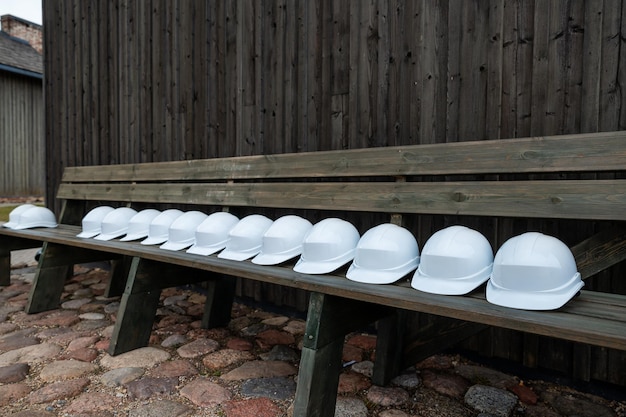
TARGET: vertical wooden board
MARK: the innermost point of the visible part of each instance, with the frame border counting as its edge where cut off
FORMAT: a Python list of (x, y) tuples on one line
[(454, 69), (412, 97), (621, 74), (381, 82), (540, 67), (510, 35), (610, 89), (495, 66), (314, 61), (591, 59), (216, 78), (186, 80), (269, 49), (574, 69), (558, 36), (433, 61), (229, 145), (292, 18), (524, 67), (340, 75)]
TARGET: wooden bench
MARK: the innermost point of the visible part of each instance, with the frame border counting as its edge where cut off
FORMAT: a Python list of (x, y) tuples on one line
[(421, 186)]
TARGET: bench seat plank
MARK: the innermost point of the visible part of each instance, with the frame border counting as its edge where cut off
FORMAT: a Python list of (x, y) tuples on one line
[(600, 199), (594, 318), (566, 153)]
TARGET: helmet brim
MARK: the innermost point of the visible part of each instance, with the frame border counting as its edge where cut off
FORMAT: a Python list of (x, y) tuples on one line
[(34, 226), (536, 300), (275, 258), (449, 286), (108, 236), (205, 250), (175, 246), (236, 255), (312, 267), (154, 240), (369, 276), (133, 236), (87, 234)]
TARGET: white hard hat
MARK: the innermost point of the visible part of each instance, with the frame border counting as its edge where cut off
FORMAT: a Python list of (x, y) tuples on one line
[(158, 230), (182, 231), (384, 254), (329, 244), (92, 222), (212, 233), (36, 217), (138, 224), (115, 224), (533, 271), (283, 240), (454, 261), (245, 239), (15, 214)]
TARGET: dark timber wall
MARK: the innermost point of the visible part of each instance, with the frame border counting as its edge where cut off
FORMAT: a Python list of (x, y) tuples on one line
[(138, 81)]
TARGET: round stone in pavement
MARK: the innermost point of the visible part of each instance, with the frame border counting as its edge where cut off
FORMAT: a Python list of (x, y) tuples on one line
[(145, 357), (386, 397), (90, 403), (12, 392), (163, 408), (350, 407), (205, 393), (13, 373), (274, 388), (121, 376), (15, 340), (30, 354), (147, 387), (260, 369), (174, 368), (490, 400), (198, 347), (65, 369), (58, 390), (257, 407)]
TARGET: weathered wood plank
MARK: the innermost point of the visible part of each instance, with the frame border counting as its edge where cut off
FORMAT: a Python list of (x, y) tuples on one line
[(601, 199), (565, 153)]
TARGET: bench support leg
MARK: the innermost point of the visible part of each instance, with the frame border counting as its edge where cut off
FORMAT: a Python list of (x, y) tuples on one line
[(389, 348), (56, 264), (219, 302), (136, 311), (50, 277), (8, 244), (329, 319), (140, 300), (5, 268), (117, 280)]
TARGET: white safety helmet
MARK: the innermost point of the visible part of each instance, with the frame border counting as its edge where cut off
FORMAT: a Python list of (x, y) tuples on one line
[(455, 260), (330, 244), (115, 224), (212, 233), (533, 271), (139, 224), (246, 238), (15, 214), (182, 231), (158, 230), (36, 217), (92, 222), (384, 254), (283, 240)]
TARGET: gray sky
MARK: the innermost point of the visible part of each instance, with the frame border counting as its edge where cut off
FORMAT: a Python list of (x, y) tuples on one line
[(26, 9)]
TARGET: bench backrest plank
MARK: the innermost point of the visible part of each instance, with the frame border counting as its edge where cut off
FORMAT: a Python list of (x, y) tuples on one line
[(566, 153), (601, 199)]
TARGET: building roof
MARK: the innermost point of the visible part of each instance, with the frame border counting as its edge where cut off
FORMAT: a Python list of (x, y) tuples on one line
[(16, 55)]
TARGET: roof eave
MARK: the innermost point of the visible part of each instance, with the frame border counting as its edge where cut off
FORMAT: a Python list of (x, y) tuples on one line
[(21, 71)]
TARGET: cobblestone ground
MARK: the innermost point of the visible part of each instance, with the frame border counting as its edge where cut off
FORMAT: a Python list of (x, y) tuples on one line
[(55, 364)]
